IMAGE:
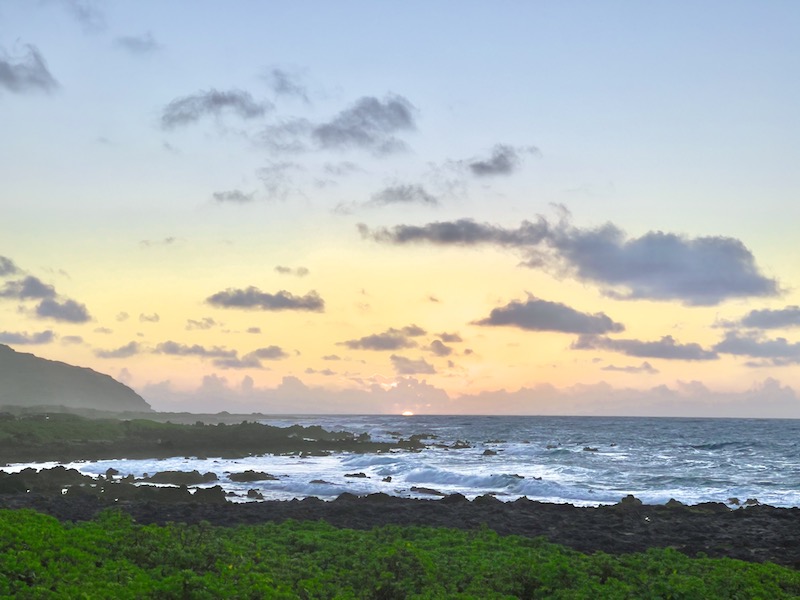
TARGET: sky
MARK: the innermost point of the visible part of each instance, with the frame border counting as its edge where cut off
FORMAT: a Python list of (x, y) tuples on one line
[(438, 207)]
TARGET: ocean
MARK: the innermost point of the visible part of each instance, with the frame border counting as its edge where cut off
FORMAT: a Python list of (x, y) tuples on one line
[(585, 461)]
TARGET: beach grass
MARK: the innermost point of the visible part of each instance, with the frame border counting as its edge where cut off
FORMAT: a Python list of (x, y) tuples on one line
[(113, 557)]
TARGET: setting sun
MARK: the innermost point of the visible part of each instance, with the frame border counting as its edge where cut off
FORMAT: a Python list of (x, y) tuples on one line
[(408, 413)]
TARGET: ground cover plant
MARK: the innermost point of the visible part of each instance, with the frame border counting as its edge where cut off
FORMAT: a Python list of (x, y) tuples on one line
[(41, 557)]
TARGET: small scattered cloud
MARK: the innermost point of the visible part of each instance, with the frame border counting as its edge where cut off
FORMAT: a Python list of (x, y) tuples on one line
[(126, 351), (407, 366), (122, 316), (27, 73), (403, 194), (7, 267), (103, 330), (297, 271), (167, 241), (645, 367), (67, 310), (269, 353), (71, 339), (246, 362), (775, 352), (666, 348), (190, 109), (176, 349), (204, 323), (391, 339), (253, 298), (154, 318), (450, 338), (504, 160), (369, 124), (27, 288), (138, 44), (541, 315), (234, 197), (342, 168), (254, 330), (277, 179), (700, 271), (286, 83), (326, 372), (87, 13), (331, 357), (772, 319), (439, 349), (23, 338)]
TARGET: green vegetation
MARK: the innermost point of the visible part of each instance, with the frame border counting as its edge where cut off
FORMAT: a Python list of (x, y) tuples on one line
[(62, 437), (112, 557)]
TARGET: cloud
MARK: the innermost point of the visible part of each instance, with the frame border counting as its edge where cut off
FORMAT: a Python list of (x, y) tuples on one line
[(253, 298), (656, 266), (125, 351), (205, 323), (645, 367), (86, 13), (29, 287), (403, 194), (72, 339), (176, 349), (138, 44), (391, 339), (503, 161), (122, 316), (277, 179), (541, 315), (189, 109), (439, 349), (7, 267), (778, 351), (246, 362), (269, 353), (254, 330), (342, 168), (28, 73), (68, 310), (284, 83), (450, 338), (369, 124), (772, 319), (331, 357), (234, 197), (326, 372), (167, 241), (407, 366), (21, 338), (154, 318), (298, 272), (666, 348)]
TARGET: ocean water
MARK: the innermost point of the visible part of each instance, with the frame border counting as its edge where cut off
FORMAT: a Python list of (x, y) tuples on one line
[(584, 461)]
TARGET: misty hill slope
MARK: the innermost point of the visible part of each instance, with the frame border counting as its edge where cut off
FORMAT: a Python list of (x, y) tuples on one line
[(27, 380)]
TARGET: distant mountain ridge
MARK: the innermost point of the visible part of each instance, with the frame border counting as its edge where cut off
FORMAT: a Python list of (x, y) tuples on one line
[(27, 380)]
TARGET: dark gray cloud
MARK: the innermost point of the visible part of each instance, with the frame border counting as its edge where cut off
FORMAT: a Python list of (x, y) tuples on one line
[(645, 367), (154, 318), (269, 353), (772, 319), (22, 338), (666, 348), (253, 298), (204, 323), (776, 351), (176, 349), (254, 330), (246, 362), (297, 272), (126, 351), (285, 83), (541, 315), (403, 194), (29, 287), (450, 338), (66, 310), (504, 160), (189, 109), (7, 267), (439, 349), (369, 124), (331, 357), (407, 366), (656, 266), (234, 197), (27, 73), (138, 44), (391, 339)]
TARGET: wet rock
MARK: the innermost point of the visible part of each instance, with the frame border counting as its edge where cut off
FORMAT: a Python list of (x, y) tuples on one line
[(629, 501), (181, 477), (387, 479), (590, 449), (251, 475), (426, 490), (357, 475), (489, 452), (255, 494)]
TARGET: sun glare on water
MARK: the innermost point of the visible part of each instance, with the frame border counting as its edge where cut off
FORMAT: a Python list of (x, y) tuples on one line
[(408, 413)]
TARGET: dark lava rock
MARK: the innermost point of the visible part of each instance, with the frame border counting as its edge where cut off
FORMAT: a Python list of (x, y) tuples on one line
[(358, 475), (488, 452), (251, 475), (255, 494), (387, 479), (181, 477), (426, 490)]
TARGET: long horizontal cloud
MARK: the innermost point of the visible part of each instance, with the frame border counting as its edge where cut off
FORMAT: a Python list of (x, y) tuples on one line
[(391, 339), (772, 319), (253, 298), (657, 265), (21, 338), (776, 351), (407, 366), (666, 348), (369, 124), (403, 194), (66, 310), (189, 109), (26, 74), (541, 315), (176, 349), (27, 288), (504, 160), (126, 351), (138, 44), (645, 367)]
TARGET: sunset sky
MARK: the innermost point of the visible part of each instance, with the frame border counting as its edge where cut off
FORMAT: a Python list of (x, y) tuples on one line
[(442, 207)]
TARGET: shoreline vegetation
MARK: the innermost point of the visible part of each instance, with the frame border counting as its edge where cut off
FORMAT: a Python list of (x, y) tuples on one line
[(108, 530)]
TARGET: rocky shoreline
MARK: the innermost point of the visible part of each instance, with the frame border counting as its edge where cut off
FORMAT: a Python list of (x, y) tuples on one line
[(755, 533)]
